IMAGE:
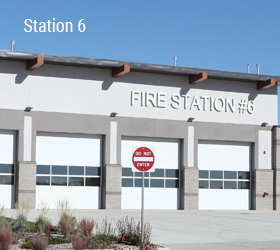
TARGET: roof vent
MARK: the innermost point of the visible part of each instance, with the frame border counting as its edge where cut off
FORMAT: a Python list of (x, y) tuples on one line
[(12, 45)]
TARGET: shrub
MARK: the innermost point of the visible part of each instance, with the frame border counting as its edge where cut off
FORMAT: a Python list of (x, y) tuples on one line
[(55, 240), (38, 243), (132, 231), (86, 226), (77, 242), (66, 227), (6, 237), (26, 244), (38, 225)]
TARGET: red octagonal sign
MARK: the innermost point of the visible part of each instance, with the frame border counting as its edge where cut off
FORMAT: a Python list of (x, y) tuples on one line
[(143, 159)]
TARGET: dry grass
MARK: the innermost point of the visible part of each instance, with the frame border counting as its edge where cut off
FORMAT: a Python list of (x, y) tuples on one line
[(86, 226), (22, 209)]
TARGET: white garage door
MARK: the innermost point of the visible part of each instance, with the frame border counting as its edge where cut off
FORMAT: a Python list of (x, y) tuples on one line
[(7, 159), (162, 186), (224, 175), (68, 168)]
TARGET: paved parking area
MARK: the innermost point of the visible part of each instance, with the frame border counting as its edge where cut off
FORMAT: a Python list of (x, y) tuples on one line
[(198, 229)]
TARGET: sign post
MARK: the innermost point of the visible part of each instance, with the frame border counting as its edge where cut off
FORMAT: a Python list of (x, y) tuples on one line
[(143, 160)]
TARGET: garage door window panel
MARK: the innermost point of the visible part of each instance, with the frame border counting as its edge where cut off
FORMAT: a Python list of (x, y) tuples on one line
[(43, 180), (59, 181), (230, 175), (203, 184), (158, 173), (172, 183), (243, 175), (6, 168), (216, 184), (216, 174), (76, 181), (59, 170), (94, 182), (204, 174), (127, 172), (243, 185), (157, 183), (76, 170), (171, 173), (127, 182), (230, 185), (6, 180), (138, 182), (43, 169), (93, 171)]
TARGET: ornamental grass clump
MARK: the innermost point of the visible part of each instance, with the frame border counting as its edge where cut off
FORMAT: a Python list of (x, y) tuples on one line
[(66, 227), (64, 207), (20, 224), (86, 226), (78, 242), (6, 237), (39, 243)]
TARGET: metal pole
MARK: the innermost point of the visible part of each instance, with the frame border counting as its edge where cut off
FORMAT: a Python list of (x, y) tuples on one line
[(142, 210)]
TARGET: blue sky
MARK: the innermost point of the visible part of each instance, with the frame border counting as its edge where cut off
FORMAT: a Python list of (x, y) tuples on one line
[(216, 34)]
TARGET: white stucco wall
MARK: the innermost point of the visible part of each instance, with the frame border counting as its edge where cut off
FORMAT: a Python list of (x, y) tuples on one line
[(81, 90)]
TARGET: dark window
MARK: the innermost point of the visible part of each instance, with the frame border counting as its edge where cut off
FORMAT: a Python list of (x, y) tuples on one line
[(91, 181), (42, 180), (76, 181), (138, 182), (214, 174), (127, 182), (139, 174), (59, 181), (158, 173), (216, 184), (172, 183), (243, 184), (203, 184), (172, 173), (127, 172), (157, 183), (230, 185), (204, 174), (76, 170), (6, 179), (43, 169), (93, 171), (59, 170), (7, 168), (243, 175), (230, 175)]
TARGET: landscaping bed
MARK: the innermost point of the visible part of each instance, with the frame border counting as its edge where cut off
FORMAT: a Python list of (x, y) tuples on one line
[(18, 233)]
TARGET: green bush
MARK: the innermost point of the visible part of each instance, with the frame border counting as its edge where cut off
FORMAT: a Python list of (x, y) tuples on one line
[(26, 244), (55, 240)]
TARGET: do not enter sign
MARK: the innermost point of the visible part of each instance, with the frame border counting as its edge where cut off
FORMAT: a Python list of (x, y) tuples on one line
[(143, 159)]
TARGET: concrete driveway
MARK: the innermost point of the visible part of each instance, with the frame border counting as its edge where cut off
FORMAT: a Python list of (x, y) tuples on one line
[(189, 230)]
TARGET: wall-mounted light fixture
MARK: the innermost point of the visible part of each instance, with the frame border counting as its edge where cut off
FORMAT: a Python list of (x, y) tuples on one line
[(191, 119), (28, 109), (113, 114), (264, 124)]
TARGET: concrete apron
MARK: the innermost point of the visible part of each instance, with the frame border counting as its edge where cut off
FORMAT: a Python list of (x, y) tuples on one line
[(179, 229)]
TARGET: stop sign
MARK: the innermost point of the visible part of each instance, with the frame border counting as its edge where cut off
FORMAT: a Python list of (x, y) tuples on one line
[(143, 159)]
